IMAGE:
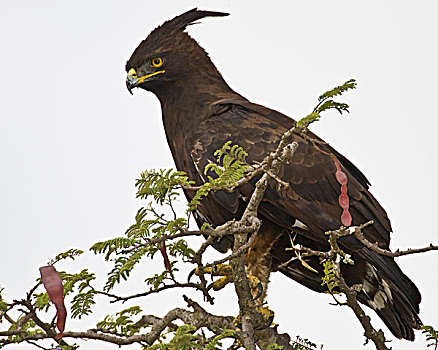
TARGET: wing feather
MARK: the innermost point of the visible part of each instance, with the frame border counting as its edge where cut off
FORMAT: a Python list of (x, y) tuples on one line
[(313, 197)]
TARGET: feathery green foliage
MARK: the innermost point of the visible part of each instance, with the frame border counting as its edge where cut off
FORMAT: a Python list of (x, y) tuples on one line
[(3, 305), (113, 245), (82, 303), (29, 326), (230, 168), (157, 280), (181, 249), (338, 90), (122, 323), (161, 184), (185, 337), (150, 226), (303, 344), (229, 156), (326, 102), (431, 336), (215, 342), (69, 254), (123, 266), (329, 277)]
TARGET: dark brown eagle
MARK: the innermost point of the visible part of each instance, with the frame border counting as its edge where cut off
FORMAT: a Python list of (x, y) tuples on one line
[(201, 113)]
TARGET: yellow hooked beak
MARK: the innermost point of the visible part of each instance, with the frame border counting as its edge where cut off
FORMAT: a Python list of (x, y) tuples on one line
[(132, 80)]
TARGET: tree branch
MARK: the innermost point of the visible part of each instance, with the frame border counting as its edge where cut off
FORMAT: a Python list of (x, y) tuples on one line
[(374, 246)]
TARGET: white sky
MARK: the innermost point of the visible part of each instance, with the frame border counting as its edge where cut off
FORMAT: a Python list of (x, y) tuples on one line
[(73, 141)]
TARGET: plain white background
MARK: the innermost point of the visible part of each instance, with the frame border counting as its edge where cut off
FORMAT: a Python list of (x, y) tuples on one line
[(73, 141)]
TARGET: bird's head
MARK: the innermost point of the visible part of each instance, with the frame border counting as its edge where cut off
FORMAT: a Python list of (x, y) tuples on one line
[(169, 55)]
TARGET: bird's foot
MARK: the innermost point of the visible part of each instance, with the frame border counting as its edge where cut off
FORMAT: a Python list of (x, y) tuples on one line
[(264, 318), (226, 273)]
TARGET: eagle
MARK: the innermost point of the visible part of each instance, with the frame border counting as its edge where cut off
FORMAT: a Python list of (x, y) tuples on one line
[(201, 112)]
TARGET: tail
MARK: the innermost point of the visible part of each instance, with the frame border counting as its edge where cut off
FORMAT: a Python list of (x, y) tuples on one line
[(388, 291)]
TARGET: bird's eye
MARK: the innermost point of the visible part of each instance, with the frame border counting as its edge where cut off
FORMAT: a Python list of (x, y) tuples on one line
[(157, 62)]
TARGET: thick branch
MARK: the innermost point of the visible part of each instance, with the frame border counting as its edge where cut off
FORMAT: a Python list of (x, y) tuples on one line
[(198, 318)]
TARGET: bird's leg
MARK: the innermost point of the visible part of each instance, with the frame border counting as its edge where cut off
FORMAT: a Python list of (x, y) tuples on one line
[(265, 315), (226, 272)]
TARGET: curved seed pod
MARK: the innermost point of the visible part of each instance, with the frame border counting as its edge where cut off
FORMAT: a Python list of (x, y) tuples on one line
[(53, 284), (167, 264), (343, 200), (341, 177), (346, 218)]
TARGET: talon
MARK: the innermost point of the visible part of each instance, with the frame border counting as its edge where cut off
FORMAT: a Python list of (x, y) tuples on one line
[(256, 286), (238, 322), (268, 323), (195, 271), (268, 317), (259, 291), (217, 270), (213, 271), (191, 274)]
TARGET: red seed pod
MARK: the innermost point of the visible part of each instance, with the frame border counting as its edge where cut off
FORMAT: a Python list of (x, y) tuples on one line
[(336, 162), (165, 256), (344, 189), (344, 201), (346, 218), (341, 177), (53, 284)]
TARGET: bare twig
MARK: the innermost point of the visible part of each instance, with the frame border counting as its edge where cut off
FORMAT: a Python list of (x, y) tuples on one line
[(241, 250), (117, 298), (374, 246)]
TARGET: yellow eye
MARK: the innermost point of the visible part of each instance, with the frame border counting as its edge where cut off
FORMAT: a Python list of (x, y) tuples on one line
[(157, 62)]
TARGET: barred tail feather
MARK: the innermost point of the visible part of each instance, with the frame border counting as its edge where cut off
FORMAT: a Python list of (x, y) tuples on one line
[(394, 297)]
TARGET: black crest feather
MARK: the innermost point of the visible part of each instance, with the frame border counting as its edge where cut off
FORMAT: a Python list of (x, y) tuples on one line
[(165, 35), (187, 18)]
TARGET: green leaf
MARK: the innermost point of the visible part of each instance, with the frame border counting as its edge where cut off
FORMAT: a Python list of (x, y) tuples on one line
[(69, 254), (326, 102), (123, 267), (306, 121), (183, 339), (431, 336), (230, 168), (161, 184), (274, 347), (122, 322), (82, 303), (329, 277), (113, 245), (3, 305), (339, 90)]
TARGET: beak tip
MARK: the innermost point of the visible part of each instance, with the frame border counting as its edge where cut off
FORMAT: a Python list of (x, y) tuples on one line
[(129, 87)]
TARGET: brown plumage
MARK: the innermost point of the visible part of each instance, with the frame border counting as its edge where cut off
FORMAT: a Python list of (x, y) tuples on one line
[(201, 112)]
